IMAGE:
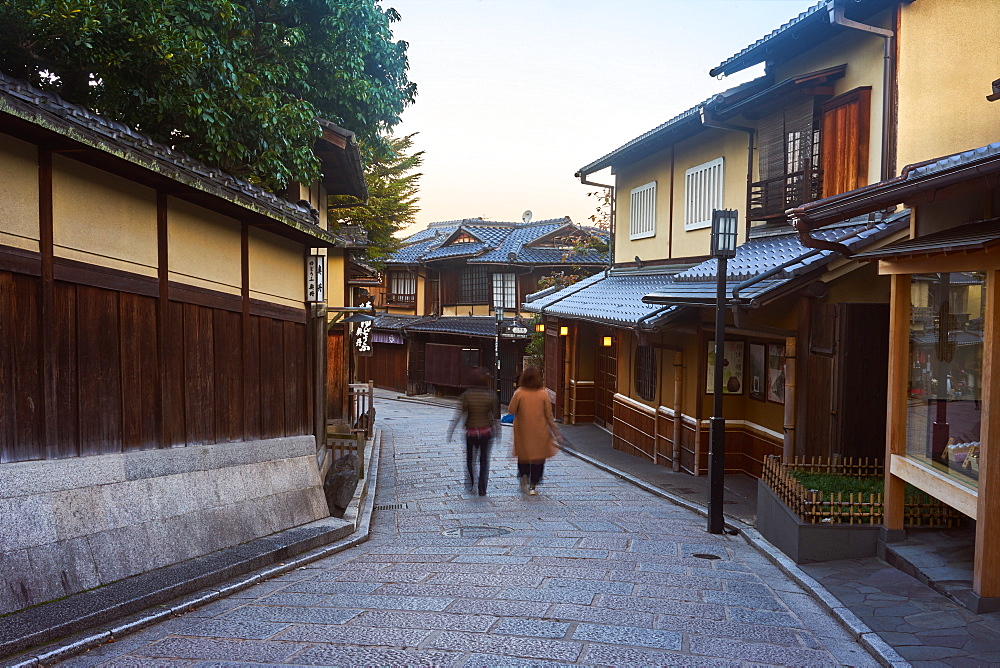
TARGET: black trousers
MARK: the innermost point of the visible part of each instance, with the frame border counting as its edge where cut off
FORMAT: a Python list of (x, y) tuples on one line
[(478, 446), (532, 469)]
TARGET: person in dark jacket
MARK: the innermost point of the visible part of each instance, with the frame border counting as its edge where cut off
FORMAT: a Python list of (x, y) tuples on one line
[(481, 411)]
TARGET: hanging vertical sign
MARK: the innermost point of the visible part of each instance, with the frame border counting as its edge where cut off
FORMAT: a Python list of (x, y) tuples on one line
[(316, 279), (363, 335)]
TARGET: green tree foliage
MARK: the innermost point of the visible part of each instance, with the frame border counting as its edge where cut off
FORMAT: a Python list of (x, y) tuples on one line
[(392, 195), (237, 84)]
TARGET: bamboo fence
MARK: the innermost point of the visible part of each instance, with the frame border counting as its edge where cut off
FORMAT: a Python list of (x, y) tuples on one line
[(815, 507)]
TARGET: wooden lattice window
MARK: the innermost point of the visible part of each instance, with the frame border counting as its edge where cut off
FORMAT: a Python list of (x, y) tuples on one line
[(505, 291), (703, 188), (642, 211), (645, 372), (474, 286), (402, 288)]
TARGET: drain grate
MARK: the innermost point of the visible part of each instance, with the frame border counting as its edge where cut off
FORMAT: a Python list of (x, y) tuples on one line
[(702, 555), (391, 506), (476, 532)]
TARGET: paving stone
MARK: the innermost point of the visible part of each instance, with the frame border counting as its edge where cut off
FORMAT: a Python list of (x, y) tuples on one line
[(377, 602), (323, 587), (764, 617), (442, 590), (500, 608), (609, 655), (754, 632), (220, 628), (486, 580), (481, 660), (550, 650), (625, 635), (218, 648), (663, 606), (340, 655), (530, 627), (600, 615), (759, 652), (292, 615), (355, 635), (422, 620), (553, 595), (293, 598), (742, 600)]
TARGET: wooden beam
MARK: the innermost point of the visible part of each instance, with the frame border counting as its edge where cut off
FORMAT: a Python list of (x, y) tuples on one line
[(899, 354), (986, 568), (47, 342), (162, 314), (937, 484), (942, 262)]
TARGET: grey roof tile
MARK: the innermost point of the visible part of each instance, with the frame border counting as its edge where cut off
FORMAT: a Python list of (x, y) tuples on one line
[(478, 326), (21, 99), (613, 298), (497, 241), (956, 160)]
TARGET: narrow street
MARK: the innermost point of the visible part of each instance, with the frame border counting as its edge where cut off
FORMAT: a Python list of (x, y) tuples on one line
[(592, 571)]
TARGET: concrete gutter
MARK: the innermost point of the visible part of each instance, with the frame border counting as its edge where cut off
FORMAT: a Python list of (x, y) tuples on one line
[(358, 516), (860, 631)]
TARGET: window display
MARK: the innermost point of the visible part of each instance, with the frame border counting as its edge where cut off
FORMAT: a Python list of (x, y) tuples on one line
[(946, 361)]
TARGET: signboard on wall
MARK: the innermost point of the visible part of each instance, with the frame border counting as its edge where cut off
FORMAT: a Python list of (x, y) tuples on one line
[(316, 279)]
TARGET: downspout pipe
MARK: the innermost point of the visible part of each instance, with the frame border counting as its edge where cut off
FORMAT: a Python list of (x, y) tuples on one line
[(611, 232), (837, 17), (709, 121)]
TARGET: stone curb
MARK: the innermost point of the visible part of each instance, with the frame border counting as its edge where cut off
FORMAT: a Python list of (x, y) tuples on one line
[(359, 513), (868, 639)]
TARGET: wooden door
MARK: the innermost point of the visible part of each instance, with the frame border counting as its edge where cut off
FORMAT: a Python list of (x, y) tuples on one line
[(605, 380)]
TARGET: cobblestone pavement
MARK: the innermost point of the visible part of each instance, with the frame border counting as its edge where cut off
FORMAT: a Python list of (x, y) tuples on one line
[(592, 571), (924, 627)]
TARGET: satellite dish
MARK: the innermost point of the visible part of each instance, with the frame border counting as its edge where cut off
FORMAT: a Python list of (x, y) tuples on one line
[(526, 216)]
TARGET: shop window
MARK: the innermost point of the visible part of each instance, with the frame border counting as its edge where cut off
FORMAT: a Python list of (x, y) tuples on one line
[(474, 286), (505, 291), (946, 372), (645, 372)]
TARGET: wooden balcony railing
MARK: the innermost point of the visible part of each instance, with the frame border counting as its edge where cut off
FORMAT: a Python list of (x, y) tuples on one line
[(772, 197)]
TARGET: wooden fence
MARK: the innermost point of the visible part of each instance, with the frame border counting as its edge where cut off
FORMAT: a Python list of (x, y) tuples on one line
[(816, 507)]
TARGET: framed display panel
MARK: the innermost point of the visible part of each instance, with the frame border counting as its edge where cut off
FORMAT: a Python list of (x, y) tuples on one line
[(732, 368), (776, 373), (758, 371)]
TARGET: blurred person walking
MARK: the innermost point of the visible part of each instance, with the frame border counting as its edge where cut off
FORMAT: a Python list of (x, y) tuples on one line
[(535, 431), (481, 412)]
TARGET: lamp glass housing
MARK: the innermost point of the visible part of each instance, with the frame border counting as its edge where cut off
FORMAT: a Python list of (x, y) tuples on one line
[(606, 341), (540, 327), (725, 229), (563, 331)]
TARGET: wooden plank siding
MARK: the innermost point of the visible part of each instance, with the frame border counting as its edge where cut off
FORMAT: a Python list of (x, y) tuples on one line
[(119, 384)]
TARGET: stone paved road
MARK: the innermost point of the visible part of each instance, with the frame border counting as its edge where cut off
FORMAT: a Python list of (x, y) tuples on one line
[(592, 571)]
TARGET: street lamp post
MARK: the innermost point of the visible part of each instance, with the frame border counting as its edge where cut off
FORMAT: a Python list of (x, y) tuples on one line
[(496, 349), (724, 232)]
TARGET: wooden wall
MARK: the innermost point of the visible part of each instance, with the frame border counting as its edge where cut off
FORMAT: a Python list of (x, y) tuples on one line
[(104, 369)]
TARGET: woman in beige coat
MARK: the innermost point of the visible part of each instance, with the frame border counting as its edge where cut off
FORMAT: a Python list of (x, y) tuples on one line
[(535, 431)]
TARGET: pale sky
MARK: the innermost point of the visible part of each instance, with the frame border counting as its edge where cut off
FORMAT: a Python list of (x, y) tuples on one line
[(515, 96)]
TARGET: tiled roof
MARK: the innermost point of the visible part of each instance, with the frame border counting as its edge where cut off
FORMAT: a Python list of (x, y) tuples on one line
[(969, 237), (477, 326), (396, 321), (497, 242), (801, 33), (616, 297), (956, 160), (46, 110), (613, 298), (759, 256)]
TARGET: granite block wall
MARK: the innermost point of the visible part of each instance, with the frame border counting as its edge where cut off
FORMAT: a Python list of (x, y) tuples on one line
[(73, 524)]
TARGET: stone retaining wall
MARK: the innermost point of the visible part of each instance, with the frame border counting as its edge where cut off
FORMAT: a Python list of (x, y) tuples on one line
[(70, 525)]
